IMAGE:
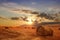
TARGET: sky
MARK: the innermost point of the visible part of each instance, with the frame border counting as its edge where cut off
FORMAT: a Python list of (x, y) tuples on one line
[(35, 3), (41, 5)]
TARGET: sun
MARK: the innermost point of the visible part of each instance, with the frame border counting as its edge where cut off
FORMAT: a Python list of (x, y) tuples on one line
[(29, 21)]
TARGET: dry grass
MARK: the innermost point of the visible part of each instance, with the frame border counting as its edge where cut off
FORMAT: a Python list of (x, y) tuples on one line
[(20, 33)]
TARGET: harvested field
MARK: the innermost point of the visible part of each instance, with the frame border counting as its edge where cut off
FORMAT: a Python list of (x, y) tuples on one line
[(26, 33)]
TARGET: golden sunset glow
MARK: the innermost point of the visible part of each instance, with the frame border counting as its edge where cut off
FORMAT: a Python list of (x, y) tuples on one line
[(29, 21)]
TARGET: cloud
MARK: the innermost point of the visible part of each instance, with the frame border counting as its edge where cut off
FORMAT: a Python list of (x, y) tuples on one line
[(18, 9), (15, 5), (34, 3), (14, 9), (11, 6)]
